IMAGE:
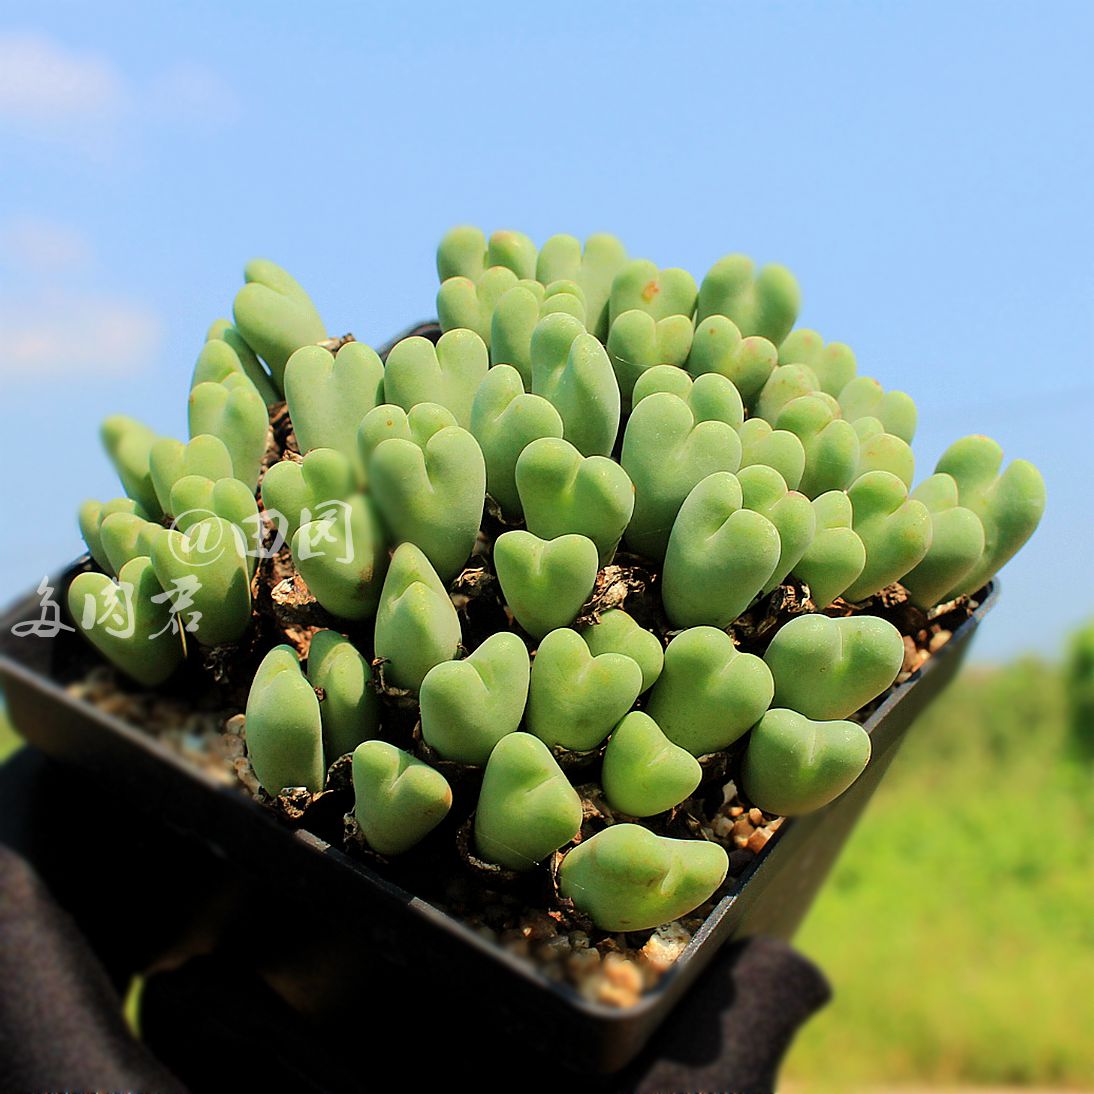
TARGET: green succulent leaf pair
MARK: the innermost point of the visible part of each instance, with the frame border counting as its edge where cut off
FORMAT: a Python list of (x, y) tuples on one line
[(297, 725)]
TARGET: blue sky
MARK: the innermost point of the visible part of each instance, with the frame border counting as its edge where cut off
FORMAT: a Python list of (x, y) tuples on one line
[(924, 169)]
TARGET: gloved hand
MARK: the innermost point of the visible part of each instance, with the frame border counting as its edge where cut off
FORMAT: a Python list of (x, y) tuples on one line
[(213, 1023)]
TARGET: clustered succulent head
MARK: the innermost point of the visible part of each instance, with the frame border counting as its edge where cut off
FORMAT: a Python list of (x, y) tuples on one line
[(542, 549)]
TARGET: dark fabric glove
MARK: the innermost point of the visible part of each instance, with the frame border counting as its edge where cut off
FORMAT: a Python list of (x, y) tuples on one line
[(217, 1025)]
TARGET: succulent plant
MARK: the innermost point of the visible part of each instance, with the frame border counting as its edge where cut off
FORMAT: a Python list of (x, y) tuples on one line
[(416, 623), (545, 582), (328, 395), (604, 537), (709, 694), (627, 879), (795, 765), (468, 706), (1009, 504), (399, 800), (348, 704), (720, 555), (617, 632), (833, 363), (637, 342), (527, 808), (828, 668), (127, 621), (275, 316), (576, 696), (284, 726), (644, 772), (764, 304), (592, 268)]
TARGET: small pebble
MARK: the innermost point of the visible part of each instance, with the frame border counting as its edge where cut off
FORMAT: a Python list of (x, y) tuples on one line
[(757, 840)]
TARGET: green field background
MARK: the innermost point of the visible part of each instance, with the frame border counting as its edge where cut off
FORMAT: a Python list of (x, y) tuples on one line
[(958, 927)]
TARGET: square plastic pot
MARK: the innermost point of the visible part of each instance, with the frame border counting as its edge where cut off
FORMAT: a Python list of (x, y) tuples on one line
[(340, 928)]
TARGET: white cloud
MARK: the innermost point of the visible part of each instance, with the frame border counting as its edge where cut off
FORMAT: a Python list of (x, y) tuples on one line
[(42, 246), (76, 334), (51, 92), (42, 81)]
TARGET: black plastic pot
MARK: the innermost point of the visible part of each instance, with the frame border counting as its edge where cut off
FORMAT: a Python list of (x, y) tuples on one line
[(336, 926)]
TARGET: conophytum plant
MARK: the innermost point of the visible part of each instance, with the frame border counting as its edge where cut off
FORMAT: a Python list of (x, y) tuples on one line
[(545, 551)]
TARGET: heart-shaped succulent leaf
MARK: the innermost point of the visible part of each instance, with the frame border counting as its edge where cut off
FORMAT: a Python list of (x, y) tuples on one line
[(593, 269), (571, 369), (449, 373), (881, 451), (625, 878), (216, 366), (831, 444), (283, 727), (720, 555), (275, 315), (563, 492), (957, 543), (348, 703), (638, 342), (1009, 505), (295, 493), (398, 799), (894, 529), (776, 448), (575, 698), (205, 575), (328, 395), (432, 496), (794, 765), (836, 556), (545, 582), (644, 772), (640, 285), (505, 420), (416, 622), (666, 451), (519, 311), (469, 705), (194, 497), (125, 536), (170, 460), (127, 621), (387, 421), (342, 556), (463, 302), (662, 378), (233, 411), (91, 516), (217, 361), (711, 398), (718, 347), (764, 303), (828, 668), (616, 632), (527, 808), (709, 694), (864, 397), (128, 443), (465, 252), (764, 491), (784, 385), (833, 363)]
